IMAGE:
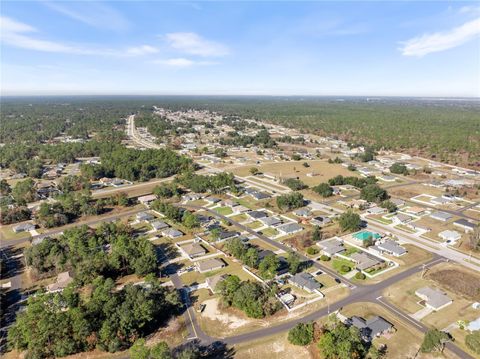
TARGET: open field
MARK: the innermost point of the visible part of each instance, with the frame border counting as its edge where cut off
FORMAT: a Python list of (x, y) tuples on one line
[(322, 168)]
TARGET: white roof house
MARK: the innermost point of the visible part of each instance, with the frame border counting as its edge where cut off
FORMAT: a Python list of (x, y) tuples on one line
[(433, 298), (289, 228), (449, 235)]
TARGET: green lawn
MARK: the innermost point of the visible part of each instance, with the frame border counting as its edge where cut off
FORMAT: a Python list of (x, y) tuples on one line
[(224, 210), (350, 250), (269, 232), (239, 217), (254, 225), (337, 264)]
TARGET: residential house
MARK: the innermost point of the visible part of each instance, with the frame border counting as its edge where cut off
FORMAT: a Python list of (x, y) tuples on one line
[(398, 202), (158, 225), (434, 298), (390, 247), (401, 218), (63, 280), (376, 210), (450, 236), (331, 247), (289, 228), (371, 328), (270, 221), (210, 265), (320, 221), (212, 200), (144, 216), (305, 281), (257, 214), (441, 216), (240, 209), (147, 199), (416, 211), (260, 195), (23, 227), (302, 212), (364, 262), (171, 233), (213, 281), (193, 250), (466, 225)]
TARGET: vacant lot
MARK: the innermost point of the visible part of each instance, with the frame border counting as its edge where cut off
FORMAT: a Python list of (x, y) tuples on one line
[(275, 347), (323, 170), (459, 281)]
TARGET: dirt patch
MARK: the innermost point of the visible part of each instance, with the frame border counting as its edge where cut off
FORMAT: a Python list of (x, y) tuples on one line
[(213, 312), (458, 282)]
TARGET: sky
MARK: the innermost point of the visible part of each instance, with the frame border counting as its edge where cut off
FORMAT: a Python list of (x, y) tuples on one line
[(341, 48)]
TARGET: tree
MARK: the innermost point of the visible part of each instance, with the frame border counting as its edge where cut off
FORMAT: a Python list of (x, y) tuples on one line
[(399, 168), (290, 201), (472, 341), (190, 220), (294, 184), (349, 221), (301, 334), (294, 262), (317, 234), (305, 164), (268, 266), (24, 191), (360, 276), (373, 193), (389, 206), (475, 238), (139, 350), (4, 187), (342, 342), (323, 189), (254, 171), (434, 340), (351, 167)]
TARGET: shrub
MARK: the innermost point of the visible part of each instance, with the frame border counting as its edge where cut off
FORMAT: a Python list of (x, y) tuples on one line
[(345, 269), (312, 250), (360, 276), (301, 334), (324, 258)]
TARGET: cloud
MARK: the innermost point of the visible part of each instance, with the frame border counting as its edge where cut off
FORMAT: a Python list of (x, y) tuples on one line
[(441, 41), (91, 13), (182, 62), (142, 50), (193, 44), (18, 34)]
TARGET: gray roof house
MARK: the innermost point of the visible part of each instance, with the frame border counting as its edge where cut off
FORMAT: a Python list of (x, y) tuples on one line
[(63, 280), (157, 225), (391, 247), (331, 247), (320, 220), (270, 221), (372, 327), (224, 235), (397, 201), (402, 218), (171, 233), (466, 225), (305, 281), (433, 298), (212, 199), (441, 216), (302, 212), (364, 261), (260, 195), (289, 228), (193, 250), (144, 216), (210, 265), (23, 227), (257, 214)]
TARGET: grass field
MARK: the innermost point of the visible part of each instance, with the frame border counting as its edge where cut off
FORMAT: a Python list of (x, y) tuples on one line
[(322, 168), (337, 264), (224, 210), (269, 232)]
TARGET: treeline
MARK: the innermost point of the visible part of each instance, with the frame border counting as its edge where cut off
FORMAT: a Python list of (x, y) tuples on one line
[(262, 138), (38, 120), (61, 324), (217, 183), (110, 251)]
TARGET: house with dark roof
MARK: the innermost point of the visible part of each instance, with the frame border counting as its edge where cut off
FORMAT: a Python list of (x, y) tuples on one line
[(372, 327), (305, 281), (320, 221), (260, 195), (464, 224), (257, 214)]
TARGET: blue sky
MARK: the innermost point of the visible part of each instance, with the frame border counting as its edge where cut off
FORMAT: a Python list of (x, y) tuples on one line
[(269, 48)]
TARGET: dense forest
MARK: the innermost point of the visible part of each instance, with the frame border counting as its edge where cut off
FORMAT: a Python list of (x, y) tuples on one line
[(446, 130)]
